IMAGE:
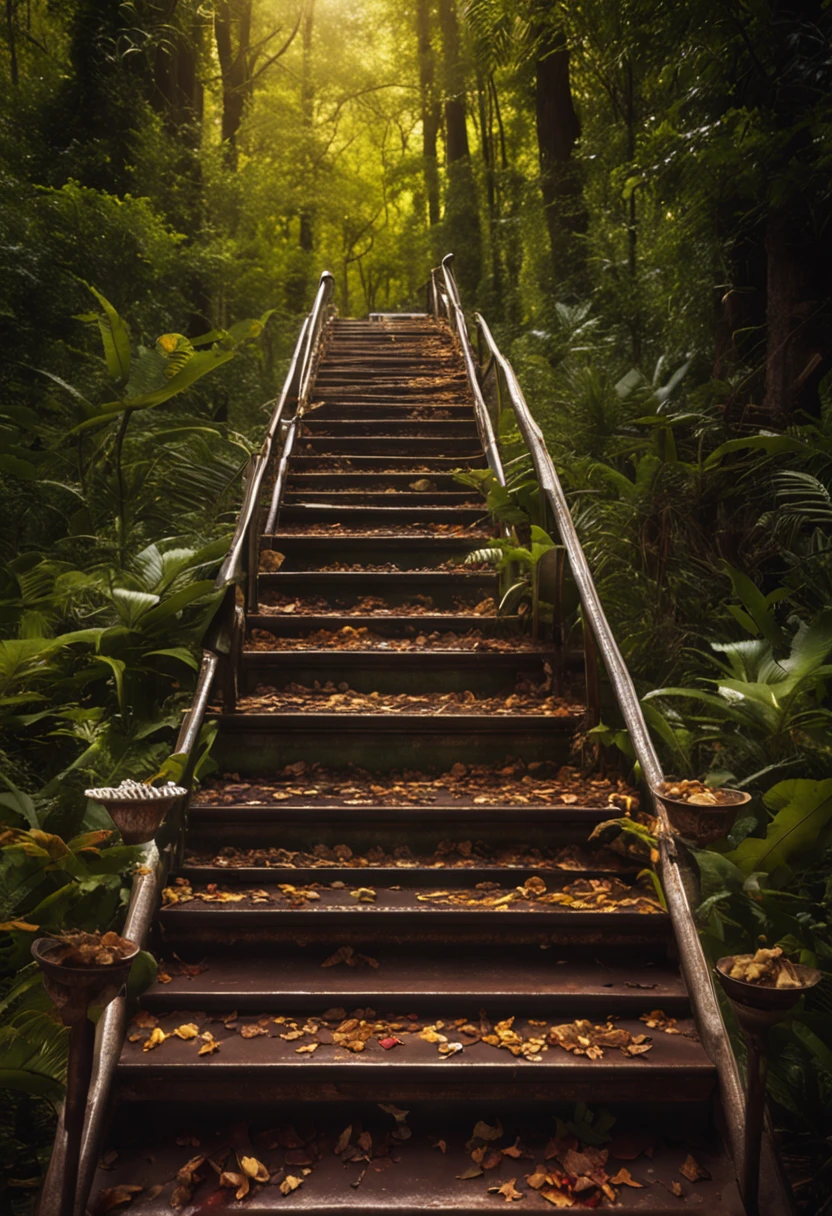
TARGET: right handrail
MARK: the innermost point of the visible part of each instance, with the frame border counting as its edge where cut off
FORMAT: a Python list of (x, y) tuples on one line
[(694, 964)]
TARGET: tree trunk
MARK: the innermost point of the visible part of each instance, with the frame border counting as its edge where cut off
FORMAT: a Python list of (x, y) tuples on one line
[(11, 39), (558, 130), (797, 343), (431, 114), (307, 109), (234, 68), (461, 226)]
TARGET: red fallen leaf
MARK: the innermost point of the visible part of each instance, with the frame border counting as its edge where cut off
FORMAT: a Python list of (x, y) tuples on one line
[(114, 1197), (390, 1042)]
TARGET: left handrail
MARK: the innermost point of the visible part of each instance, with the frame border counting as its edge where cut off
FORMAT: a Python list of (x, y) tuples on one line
[(150, 878)]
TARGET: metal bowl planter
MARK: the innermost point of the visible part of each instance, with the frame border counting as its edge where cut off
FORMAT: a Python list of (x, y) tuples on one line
[(758, 1007), (73, 988), (699, 822), (136, 809)]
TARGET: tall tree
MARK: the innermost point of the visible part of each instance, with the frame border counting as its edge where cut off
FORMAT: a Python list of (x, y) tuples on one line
[(461, 225), (558, 130), (431, 112)]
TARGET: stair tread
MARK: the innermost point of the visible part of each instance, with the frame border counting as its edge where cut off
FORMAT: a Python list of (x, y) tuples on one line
[(411, 1177), (676, 1054)]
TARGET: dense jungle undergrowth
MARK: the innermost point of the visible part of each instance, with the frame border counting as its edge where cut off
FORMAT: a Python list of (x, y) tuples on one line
[(638, 197)]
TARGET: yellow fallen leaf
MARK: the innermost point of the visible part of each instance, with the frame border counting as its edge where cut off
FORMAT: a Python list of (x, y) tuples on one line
[(157, 1037), (186, 1031), (254, 1169), (364, 895), (558, 1198), (307, 1048), (290, 1183), (624, 1178), (230, 1180)]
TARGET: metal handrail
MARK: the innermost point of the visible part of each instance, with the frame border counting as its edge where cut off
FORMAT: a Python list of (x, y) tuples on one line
[(484, 426), (673, 869), (148, 883)]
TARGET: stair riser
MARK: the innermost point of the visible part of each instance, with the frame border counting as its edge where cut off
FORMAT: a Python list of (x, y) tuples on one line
[(309, 553), (379, 409), (412, 466), (349, 499), (313, 1082), (466, 451), (294, 626), (384, 516), (283, 826), (406, 428), (371, 483), (586, 929), (393, 671), (426, 744)]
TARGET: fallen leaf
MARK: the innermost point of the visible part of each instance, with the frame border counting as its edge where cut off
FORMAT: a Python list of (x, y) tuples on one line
[(513, 1150), (558, 1198), (624, 1178), (343, 1140), (676, 1189), (364, 895), (209, 1046), (391, 1041), (252, 1031), (114, 1197), (692, 1170), (187, 1031), (307, 1048), (290, 1183), (255, 1169), (508, 1190), (157, 1037), (442, 1145), (537, 1179), (235, 1182), (484, 1131), (473, 1171)]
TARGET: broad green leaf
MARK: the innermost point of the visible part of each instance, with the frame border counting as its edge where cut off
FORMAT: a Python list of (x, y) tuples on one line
[(802, 809), (133, 605), (115, 338), (177, 652)]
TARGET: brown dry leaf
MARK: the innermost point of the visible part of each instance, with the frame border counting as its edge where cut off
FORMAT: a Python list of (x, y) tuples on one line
[(254, 1169), (114, 1197), (676, 1189), (508, 1190), (365, 1142), (473, 1171), (251, 1031), (343, 1140), (558, 1199), (513, 1150), (624, 1178), (187, 1031), (692, 1170), (144, 1020), (157, 1037), (186, 1180), (290, 1183), (307, 1048), (537, 1179), (236, 1182), (484, 1131), (442, 1145)]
